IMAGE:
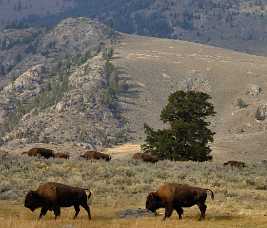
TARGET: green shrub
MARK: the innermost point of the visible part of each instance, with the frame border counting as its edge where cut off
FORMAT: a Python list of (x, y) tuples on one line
[(241, 103)]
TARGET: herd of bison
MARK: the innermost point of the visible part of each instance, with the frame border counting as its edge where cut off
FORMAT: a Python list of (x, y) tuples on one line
[(171, 196)]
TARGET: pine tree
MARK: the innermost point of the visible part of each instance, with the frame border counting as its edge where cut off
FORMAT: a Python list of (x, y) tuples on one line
[(188, 133)]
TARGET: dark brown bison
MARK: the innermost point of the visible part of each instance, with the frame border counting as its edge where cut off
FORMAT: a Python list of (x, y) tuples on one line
[(173, 196), (94, 155), (62, 155), (145, 157), (237, 164), (40, 152), (52, 196)]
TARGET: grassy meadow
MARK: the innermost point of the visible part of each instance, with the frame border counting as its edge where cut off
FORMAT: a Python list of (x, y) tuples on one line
[(240, 194)]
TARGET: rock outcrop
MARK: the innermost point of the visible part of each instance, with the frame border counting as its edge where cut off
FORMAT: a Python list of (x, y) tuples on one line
[(59, 97)]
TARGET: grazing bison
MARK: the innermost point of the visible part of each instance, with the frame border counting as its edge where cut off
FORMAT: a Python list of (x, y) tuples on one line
[(94, 155), (52, 196), (62, 155), (237, 164), (40, 152), (173, 196), (145, 157)]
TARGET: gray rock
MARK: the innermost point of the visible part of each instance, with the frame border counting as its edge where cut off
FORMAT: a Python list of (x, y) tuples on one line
[(135, 213), (196, 84), (8, 194), (254, 90), (261, 112)]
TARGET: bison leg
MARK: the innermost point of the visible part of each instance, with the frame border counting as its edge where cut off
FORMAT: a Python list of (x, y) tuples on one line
[(168, 211), (56, 211), (179, 211), (87, 208), (43, 212), (77, 210), (202, 208)]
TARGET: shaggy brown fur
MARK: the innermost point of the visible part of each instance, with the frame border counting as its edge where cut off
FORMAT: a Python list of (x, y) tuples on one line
[(237, 164), (145, 157), (173, 196), (94, 155), (51, 196), (62, 155), (40, 152)]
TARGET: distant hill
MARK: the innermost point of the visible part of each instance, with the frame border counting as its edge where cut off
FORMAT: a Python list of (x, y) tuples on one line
[(234, 24), (13, 12)]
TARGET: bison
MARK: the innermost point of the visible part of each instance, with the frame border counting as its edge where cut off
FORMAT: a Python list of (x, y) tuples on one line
[(62, 155), (52, 196), (145, 157), (172, 196), (237, 164), (40, 152), (94, 155)]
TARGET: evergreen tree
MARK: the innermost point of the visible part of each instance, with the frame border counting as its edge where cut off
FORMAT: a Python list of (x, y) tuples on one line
[(187, 135)]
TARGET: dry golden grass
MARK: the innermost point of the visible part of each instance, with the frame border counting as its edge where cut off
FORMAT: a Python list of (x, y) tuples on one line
[(240, 194), (13, 215)]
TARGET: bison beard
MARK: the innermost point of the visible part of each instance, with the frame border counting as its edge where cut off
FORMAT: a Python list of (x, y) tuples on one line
[(51, 196), (173, 196)]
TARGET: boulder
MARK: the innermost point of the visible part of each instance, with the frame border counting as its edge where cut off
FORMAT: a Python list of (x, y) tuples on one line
[(261, 112), (135, 213), (7, 194), (254, 90), (200, 84)]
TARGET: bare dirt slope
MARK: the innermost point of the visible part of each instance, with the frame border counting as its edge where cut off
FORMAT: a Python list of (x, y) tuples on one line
[(156, 67)]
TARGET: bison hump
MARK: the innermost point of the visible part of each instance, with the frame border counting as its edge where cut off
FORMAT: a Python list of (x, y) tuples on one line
[(48, 191)]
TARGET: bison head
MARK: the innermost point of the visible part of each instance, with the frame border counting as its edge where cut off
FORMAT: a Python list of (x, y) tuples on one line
[(32, 201), (153, 202), (108, 158)]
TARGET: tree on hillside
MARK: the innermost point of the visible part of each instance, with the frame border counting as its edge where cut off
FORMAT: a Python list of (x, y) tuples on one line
[(187, 135)]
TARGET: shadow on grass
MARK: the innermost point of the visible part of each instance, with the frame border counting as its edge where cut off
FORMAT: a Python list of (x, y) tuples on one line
[(222, 217)]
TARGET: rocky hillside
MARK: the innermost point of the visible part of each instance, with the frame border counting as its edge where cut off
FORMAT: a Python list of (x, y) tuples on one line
[(235, 24), (58, 89)]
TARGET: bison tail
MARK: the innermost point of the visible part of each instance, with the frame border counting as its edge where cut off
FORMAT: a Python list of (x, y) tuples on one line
[(89, 193), (212, 194)]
